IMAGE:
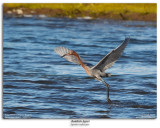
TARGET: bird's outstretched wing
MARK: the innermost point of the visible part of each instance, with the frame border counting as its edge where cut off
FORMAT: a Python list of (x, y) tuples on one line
[(62, 51), (111, 57)]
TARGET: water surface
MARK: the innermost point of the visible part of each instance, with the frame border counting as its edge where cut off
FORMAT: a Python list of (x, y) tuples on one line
[(37, 83)]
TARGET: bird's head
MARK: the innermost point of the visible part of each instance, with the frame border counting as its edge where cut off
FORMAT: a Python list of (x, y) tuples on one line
[(71, 52)]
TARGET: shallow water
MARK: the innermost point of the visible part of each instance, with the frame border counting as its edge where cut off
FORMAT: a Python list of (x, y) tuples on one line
[(37, 83)]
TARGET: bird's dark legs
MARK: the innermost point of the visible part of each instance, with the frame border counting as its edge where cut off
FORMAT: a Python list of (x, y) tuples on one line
[(108, 100), (107, 86)]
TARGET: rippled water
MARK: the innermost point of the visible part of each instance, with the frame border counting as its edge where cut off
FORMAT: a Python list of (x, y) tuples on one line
[(37, 83)]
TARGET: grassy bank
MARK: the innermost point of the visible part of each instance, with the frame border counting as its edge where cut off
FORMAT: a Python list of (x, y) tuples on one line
[(120, 11)]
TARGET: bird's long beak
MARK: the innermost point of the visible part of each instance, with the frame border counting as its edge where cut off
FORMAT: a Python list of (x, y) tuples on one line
[(65, 55)]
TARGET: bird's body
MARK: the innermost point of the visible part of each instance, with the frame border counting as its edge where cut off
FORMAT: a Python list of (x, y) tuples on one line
[(97, 71)]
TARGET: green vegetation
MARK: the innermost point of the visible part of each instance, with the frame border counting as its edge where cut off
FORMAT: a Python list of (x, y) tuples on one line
[(98, 8), (91, 9)]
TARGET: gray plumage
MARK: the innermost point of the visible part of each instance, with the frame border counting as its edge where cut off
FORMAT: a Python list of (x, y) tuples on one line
[(62, 51), (97, 71), (111, 57)]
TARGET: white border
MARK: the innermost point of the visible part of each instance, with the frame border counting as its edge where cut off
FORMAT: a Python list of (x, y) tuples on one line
[(101, 123)]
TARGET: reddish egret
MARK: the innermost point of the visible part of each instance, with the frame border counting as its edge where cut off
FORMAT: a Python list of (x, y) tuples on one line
[(97, 71)]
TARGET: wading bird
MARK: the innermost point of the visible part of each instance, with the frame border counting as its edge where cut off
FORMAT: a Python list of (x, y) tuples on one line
[(97, 71)]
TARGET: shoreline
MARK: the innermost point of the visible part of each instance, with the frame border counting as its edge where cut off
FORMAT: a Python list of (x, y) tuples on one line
[(88, 11)]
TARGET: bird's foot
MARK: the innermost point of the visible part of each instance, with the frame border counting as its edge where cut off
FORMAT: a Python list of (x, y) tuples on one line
[(108, 74), (109, 101)]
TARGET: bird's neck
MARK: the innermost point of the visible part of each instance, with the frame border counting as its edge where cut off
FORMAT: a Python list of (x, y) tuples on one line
[(81, 63)]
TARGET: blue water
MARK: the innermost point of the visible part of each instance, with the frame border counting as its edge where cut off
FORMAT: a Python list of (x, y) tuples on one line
[(37, 83)]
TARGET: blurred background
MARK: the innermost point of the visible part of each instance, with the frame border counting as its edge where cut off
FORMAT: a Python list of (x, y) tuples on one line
[(141, 11)]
